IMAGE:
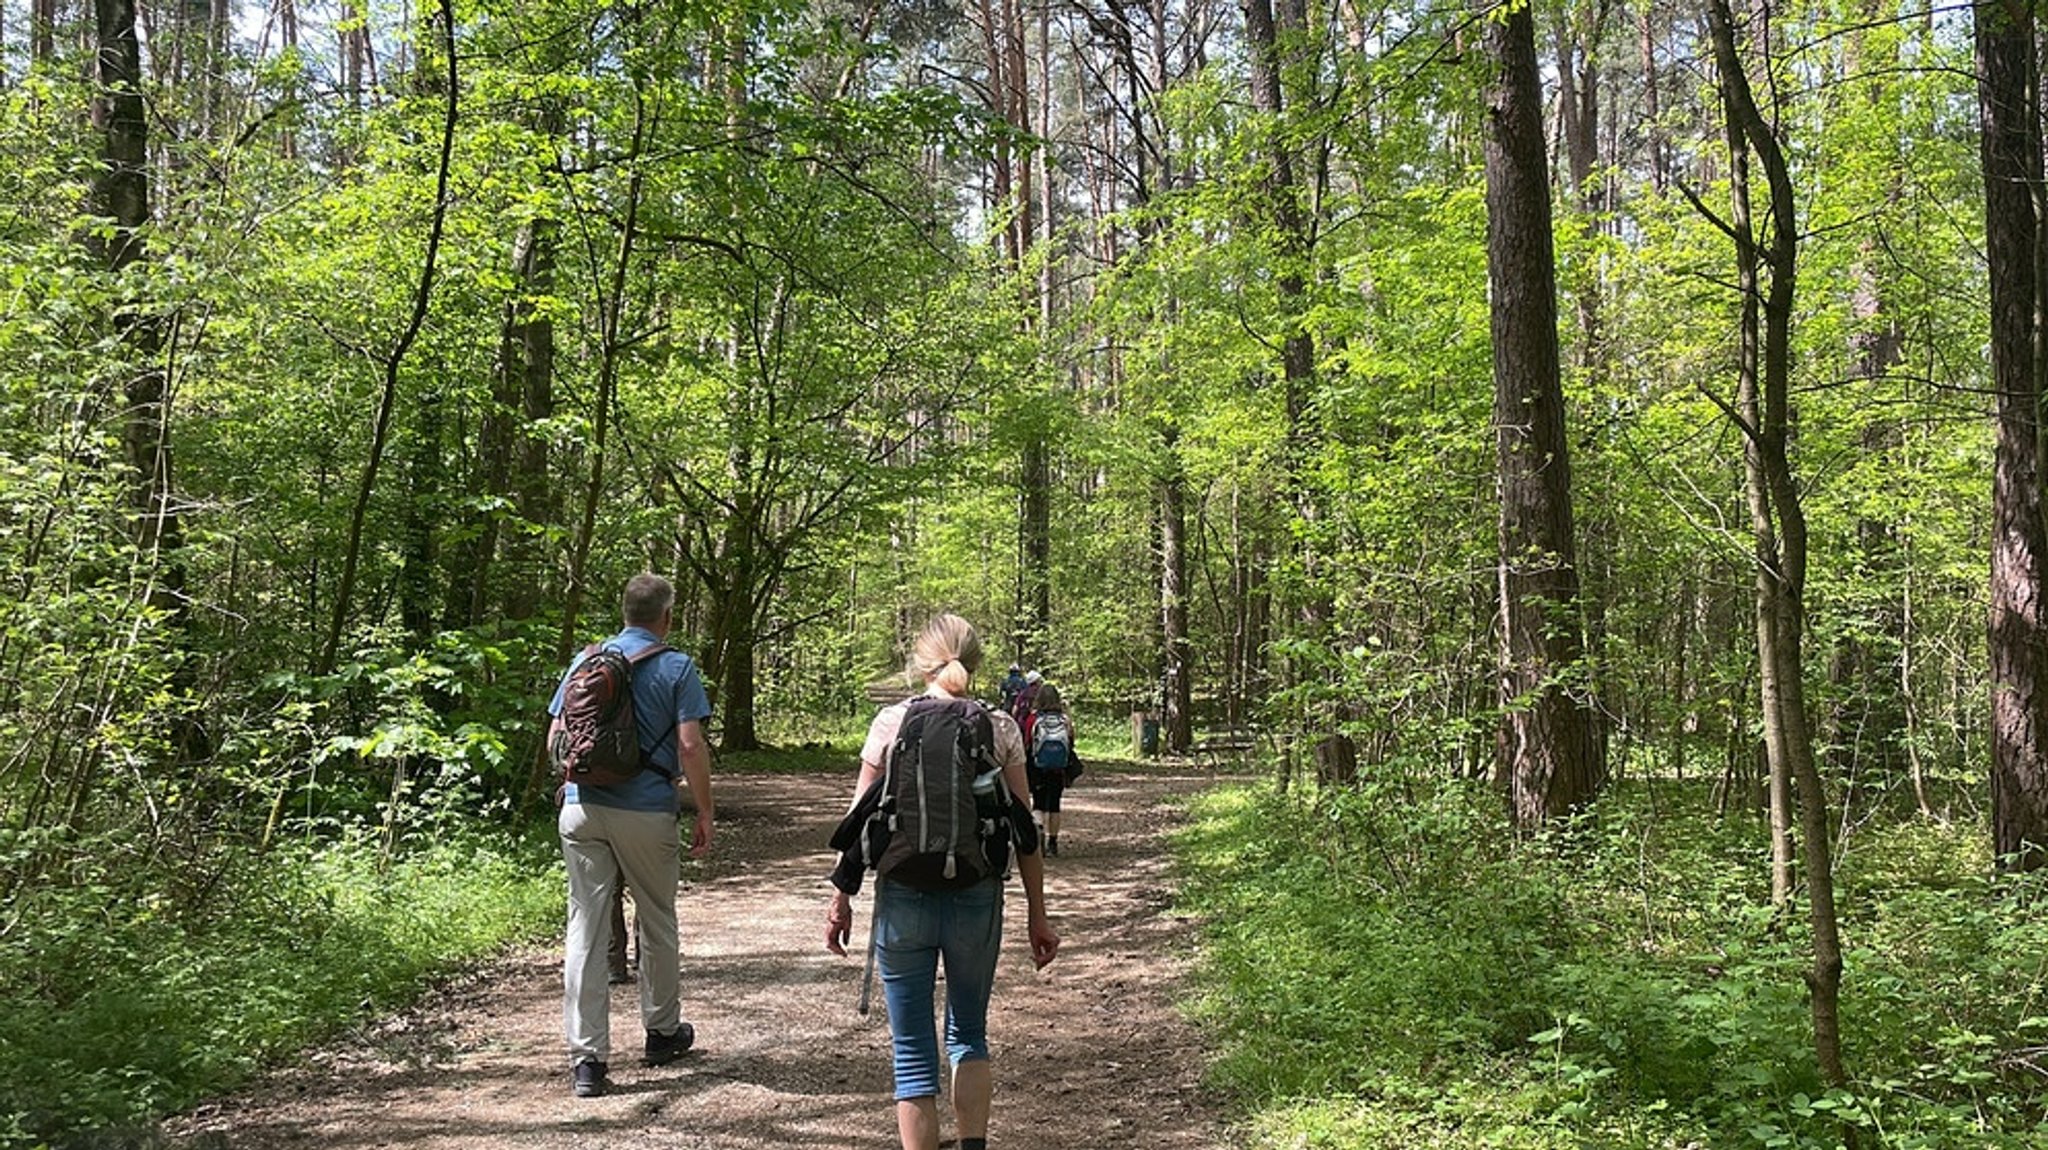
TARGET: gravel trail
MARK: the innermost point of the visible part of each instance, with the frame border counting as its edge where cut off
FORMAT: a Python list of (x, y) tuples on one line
[(1088, 1053)]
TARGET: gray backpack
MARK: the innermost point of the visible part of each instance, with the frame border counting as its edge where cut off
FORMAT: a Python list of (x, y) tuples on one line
[(940, 797)]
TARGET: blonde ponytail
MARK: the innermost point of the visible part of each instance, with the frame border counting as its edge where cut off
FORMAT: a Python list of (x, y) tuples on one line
[(947, 653), (953, 678)]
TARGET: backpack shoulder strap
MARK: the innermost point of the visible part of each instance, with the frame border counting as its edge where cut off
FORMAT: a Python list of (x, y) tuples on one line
[(648, 652)]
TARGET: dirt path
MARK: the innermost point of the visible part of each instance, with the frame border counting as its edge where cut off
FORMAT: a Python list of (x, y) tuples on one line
[(1089, 1053)]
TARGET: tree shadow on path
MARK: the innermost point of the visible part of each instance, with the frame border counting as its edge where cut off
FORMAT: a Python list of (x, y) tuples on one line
[(1088, 1053)]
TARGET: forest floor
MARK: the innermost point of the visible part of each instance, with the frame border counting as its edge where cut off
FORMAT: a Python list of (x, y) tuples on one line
[(1089, 1053)]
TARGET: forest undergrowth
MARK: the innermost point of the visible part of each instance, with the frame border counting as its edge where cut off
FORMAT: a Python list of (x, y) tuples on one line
[(128, 1000), (1422, 980)]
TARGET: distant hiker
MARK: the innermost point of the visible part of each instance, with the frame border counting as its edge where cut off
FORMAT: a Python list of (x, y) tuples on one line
[(1054, 763), (626, 830), (1012, 686), (1025, 703), (939, 887)]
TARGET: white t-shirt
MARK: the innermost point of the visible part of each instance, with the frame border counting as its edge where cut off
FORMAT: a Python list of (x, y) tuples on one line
[(882, 734)]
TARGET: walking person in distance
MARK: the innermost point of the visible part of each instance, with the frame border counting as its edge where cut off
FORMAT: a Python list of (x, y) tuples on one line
[(1054, 763)]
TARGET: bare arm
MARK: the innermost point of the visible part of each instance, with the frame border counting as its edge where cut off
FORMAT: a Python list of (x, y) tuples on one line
[(694, 753), (1045, 941), (869, 775), (839, 912)]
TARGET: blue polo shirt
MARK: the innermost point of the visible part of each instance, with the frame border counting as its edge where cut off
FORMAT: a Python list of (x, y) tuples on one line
[(667, 690)]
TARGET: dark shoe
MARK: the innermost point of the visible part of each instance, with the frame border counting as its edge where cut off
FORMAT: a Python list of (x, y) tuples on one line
[(590, 1080), (1052, 847), (663, 1049), (621, 977)]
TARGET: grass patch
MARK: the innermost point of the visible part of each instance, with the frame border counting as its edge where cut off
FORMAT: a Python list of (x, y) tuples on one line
[(1386, 970), (124, 1006), (795, 759)]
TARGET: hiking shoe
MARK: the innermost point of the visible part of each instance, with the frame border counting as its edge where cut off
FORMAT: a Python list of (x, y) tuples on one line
[(620, 978), (663, 1049), (590, 1080)]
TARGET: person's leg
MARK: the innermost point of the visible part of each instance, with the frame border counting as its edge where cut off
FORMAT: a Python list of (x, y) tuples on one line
[(615, 954), (973, 1086), (907, 957), (593, 877), (972, 935), (647, 847), (1055, 790), (917, 1123)]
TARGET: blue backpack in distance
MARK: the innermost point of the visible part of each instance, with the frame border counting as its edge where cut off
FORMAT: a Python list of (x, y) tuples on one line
[(1052, 742)]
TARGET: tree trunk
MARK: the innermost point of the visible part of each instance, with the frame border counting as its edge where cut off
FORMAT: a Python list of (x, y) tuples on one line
[(526, 556), (1034, 552), (1273, 34), (1550, 755), (1752, 416), (2011, 145), (1646, 44), (419, 574), (512, 453), (611, 310), (1781, 536), (42, 30), (392, 361), (1176, 727), (1009, 92), (357, 66), (121, 194), (1865, 730), (731, 583), (288, 41)]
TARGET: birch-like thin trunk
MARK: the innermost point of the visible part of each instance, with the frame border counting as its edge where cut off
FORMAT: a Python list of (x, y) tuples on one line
[(1780, 525)]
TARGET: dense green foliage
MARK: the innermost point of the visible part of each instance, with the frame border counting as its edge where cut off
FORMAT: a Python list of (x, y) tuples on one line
[(128, 1000), (812, 305), (1622, 985)]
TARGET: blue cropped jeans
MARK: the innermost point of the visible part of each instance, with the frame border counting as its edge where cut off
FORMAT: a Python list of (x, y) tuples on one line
[(915, 930)]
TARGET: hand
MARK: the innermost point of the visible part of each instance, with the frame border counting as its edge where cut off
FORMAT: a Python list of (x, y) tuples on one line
[(700, 840), (838, 924), (1045, 941)]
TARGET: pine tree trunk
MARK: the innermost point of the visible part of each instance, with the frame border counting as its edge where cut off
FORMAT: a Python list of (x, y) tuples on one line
[(2006, 83), (1550, 755)]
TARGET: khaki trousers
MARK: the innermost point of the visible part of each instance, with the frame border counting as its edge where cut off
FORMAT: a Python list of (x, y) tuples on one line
[(603, 846)]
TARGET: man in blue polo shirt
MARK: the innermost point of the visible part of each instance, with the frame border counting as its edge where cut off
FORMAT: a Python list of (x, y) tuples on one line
[(629, 833)]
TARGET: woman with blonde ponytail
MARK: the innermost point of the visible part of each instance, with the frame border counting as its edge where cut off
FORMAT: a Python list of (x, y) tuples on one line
[(916, 928)]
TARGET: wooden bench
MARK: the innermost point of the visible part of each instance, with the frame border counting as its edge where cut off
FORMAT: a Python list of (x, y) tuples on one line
[(884, 692), (1233, 743)]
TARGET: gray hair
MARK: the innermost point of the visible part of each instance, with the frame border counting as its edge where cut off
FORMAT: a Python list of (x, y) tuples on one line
[(648, 597)]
